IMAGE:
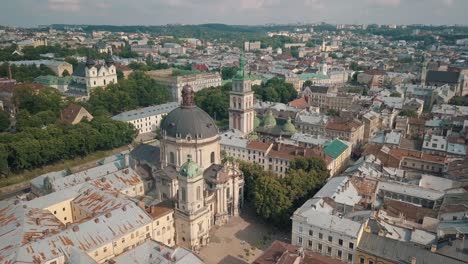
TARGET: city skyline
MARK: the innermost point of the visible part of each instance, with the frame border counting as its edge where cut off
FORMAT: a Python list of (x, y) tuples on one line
[(244, 12)]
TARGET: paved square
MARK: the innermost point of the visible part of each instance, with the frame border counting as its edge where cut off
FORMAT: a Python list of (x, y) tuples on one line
[(241, 240)]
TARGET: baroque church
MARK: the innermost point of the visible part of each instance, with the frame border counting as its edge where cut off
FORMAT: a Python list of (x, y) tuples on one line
[(88, 76), (206, 191)]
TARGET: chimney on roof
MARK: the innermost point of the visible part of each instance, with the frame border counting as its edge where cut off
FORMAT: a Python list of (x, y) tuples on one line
[(126, 171), (108, 215), (124, 208), (17, 202), (413, 260), (38, 221), (153, 209), (96, 220), (141, 204), (76, 228), (434, 248)]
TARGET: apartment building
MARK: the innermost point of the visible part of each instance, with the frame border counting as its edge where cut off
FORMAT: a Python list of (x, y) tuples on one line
[(146, 119), (276, 157), (347, 130), (321, 224), (175, 81)]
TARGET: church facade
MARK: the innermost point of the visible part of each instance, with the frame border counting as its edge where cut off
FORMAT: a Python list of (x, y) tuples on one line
[(92, 74), (205, 191)]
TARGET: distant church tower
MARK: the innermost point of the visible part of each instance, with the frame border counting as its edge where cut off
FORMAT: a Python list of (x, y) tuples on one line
[(423, 72), (241, 110)]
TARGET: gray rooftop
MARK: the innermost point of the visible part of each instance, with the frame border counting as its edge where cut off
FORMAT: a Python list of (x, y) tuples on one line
[(154, 252), (400, 252), (146, 112)]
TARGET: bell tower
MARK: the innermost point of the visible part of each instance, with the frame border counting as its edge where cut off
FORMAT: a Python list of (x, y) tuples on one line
[(241, 102), (192, 216)]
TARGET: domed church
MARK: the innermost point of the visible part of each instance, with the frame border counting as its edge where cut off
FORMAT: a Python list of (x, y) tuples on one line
[(205, 192)]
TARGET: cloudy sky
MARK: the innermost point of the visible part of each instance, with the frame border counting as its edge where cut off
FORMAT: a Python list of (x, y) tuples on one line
[(156, 12)]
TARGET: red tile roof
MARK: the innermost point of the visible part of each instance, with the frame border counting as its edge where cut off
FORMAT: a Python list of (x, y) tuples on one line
[(282, 253)]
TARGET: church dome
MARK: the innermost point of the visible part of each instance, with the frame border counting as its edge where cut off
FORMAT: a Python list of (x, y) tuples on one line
[(270, 120), (190, 169), (109, 60), (289, 127), (188, 120)]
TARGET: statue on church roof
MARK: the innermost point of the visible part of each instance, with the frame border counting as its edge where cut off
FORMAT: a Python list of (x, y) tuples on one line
[(241, 72)]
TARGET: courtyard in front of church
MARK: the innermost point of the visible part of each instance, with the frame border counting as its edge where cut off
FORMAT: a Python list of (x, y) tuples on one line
[(241, 240)]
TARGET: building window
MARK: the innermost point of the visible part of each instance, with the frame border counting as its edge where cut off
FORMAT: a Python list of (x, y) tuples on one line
[(340, 242), (361, 260), (311, 233), (320, 235), (329, 249), (299, 240), (351, 245), (330, 239), (172, 158), (105, 249), (339, 254), (198, 193), (212, 157), (370, 261), (350, 257), (319, 247), (310, 243), (184, 195)]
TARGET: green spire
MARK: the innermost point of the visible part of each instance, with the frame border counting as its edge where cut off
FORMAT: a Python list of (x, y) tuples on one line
[(289, 127), (190, 169), (270, 120)]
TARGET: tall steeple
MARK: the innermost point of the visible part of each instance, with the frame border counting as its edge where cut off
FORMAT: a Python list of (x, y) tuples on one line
[(241, 110)]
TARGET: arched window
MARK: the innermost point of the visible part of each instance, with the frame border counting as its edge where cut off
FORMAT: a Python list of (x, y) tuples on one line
[(172, 158), (198, 193), (212, 157)]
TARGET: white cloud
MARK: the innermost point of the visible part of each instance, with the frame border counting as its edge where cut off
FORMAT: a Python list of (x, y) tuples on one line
[(64, 5), (391, 3)]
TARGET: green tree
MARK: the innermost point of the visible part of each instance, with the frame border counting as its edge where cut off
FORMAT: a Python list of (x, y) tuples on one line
[(275, 90), (395, 94), (408, 113), (4, 121), (215, 101), (459, 100), (333, 112), (229, 72), (271, 199)]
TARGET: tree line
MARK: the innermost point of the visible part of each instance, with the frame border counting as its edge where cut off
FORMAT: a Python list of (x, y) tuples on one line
[(34, 147), (25, 73), (139, 90), (275, 199)]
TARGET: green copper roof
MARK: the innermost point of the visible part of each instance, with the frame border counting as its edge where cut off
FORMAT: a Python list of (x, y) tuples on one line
[(335, 148), (270, 120), (257, 122), (312, 76), (289, 127), (190, 169)]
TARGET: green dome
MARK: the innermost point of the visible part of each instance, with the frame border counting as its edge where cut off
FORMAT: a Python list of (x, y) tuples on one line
[(289, 127), (270, 120), (190, 169), (257, 122)]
